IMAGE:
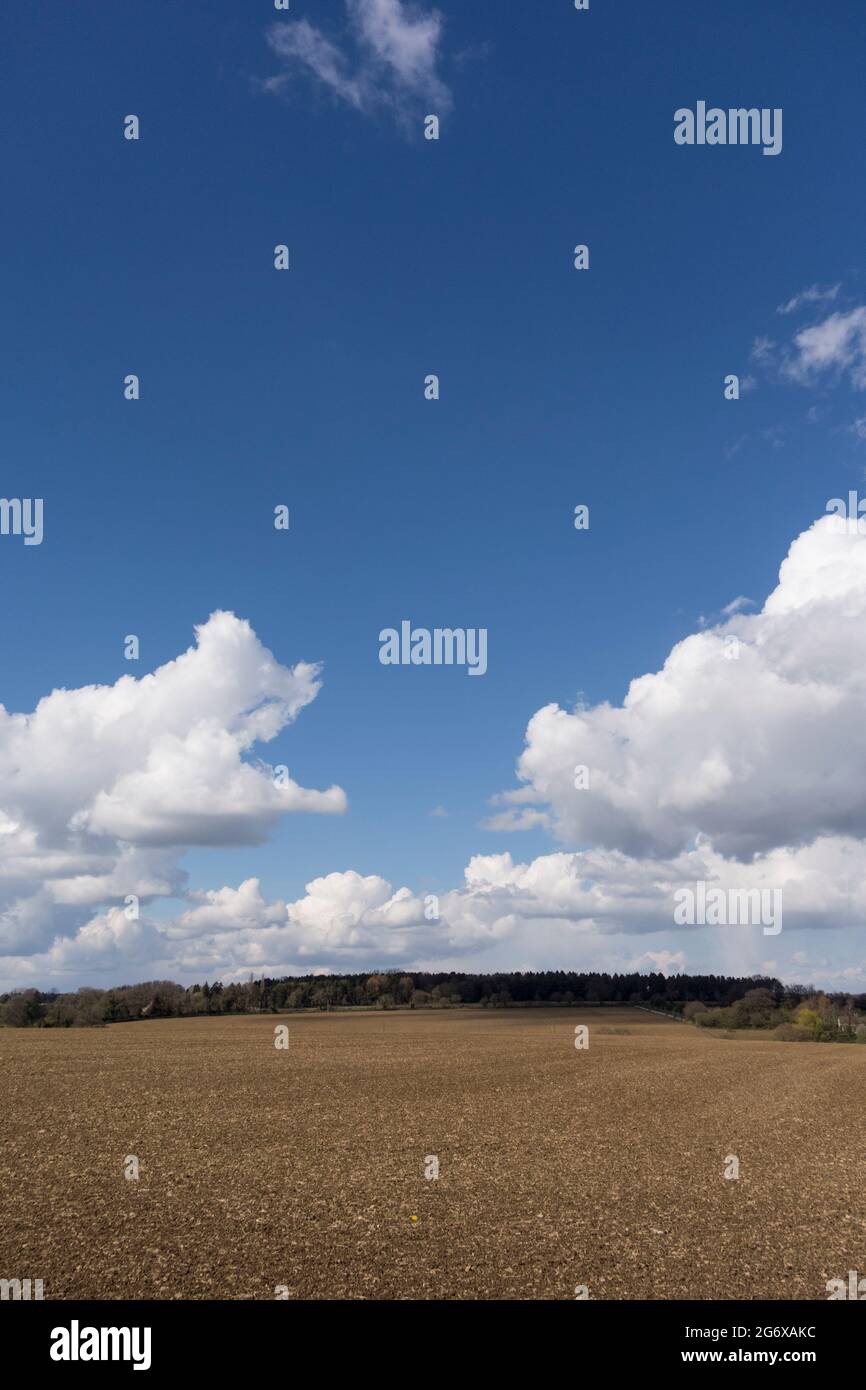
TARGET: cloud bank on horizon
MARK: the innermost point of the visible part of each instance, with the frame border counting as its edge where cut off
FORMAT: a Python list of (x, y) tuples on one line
[(738, 763)]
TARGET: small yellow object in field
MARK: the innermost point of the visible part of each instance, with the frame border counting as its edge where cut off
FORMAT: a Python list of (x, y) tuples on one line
[(414, 1218)]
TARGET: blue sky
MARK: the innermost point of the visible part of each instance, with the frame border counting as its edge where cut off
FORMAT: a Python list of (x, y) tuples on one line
[(409, 257)]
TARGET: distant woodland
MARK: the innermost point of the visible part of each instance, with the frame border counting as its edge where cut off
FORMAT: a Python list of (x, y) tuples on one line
[(791, 1012)]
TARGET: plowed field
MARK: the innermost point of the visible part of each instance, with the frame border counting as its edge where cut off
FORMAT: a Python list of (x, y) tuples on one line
[(303, 1170)]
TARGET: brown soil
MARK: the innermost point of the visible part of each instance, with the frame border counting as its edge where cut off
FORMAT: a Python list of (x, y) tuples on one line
[(305, 1168)]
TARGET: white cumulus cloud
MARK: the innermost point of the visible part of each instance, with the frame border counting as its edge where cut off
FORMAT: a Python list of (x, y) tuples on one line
[(103, 788), (751, 734)]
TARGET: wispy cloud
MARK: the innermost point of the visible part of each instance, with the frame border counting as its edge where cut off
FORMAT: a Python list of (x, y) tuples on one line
[(737, 605), (836, 344), (387, 55), (731, 450), (775, 435), (813, 295), (763, 350), (301, 46), (823, 353)]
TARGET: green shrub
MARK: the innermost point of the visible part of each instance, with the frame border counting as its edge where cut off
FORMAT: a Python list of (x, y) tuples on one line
[(714, 1018), (793, 1032), (693, 1008), (811, 1020)]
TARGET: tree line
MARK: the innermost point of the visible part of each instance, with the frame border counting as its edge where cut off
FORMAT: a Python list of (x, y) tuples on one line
[(798, 1014), (710, 1000)]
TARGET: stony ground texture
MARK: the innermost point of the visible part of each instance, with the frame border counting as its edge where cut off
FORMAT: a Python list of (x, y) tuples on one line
[(305, 1167)]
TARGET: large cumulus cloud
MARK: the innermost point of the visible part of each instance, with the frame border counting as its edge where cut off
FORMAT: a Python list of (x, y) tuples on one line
[(103, 788), (752, 734)]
